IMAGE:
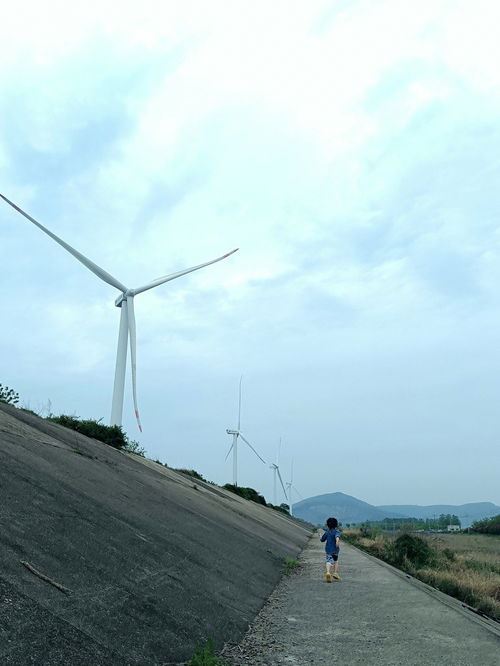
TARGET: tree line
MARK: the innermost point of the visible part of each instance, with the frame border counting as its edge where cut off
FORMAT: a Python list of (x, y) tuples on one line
[(487, 526), (410, 524)]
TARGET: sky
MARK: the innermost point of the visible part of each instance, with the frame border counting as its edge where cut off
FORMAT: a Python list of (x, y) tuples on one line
[(349, 149)]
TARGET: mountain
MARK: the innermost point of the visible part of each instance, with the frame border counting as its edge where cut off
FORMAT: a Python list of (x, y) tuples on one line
[(346, 508), (467, 513), (349, 509)]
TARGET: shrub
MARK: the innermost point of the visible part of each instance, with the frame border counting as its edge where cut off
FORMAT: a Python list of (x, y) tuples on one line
[(191, 472), (487, 526), (8, 395), (413, 549), (111, 435), (132, 446), (246, 493), (282, 508)]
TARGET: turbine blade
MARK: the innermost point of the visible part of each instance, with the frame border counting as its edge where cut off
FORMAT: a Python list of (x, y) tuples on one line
[(294, 488), (97, 270), (132, 336), (227, 454), (281, 481), (239, 404), (173, 276), (248, 444)]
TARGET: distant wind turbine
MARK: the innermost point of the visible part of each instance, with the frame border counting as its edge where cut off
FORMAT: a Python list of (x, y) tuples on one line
[(276, 473), (234, 446), (291, 488), (125, 301)]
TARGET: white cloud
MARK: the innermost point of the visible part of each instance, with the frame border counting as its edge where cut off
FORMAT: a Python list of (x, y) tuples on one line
[(350, 151)]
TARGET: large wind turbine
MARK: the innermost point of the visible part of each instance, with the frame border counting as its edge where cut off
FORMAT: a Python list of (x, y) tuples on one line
[(125, 301), (234, 446), (276, 473), (291, 488)]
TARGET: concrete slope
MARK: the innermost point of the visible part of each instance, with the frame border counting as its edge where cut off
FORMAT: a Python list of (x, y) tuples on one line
[(153, 561)]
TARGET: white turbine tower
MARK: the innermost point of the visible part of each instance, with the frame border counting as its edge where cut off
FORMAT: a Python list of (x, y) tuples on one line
[(291, 488), (125, 301), (234, 446), (276, 473)]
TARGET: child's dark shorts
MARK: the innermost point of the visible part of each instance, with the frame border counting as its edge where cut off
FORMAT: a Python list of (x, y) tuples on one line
[(331, 557)]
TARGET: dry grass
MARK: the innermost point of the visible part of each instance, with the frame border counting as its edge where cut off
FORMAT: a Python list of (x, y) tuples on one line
[(478, 589), (481, 549), (462, 565)]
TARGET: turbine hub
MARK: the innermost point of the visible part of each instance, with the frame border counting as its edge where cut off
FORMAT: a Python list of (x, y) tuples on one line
[(122, 297)]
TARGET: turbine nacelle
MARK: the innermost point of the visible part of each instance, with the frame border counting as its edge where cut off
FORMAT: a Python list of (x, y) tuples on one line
[(123, 297), (232, 432)]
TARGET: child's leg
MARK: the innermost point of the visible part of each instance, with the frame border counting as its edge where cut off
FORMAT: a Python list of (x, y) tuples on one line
[(328, 567)]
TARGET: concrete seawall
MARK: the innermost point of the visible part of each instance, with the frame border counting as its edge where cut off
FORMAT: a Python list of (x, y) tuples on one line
[(154, 562)]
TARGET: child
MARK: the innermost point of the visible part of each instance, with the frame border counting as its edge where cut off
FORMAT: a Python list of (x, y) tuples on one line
[(332, 538)]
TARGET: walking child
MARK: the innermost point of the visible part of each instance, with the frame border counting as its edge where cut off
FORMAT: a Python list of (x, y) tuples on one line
[(332, 547)]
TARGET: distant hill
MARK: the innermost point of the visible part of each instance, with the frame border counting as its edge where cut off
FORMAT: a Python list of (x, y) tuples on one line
[(467, 513), (346, 508), (349, 509)]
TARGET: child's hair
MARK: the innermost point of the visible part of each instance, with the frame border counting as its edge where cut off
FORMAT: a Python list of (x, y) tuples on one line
[(332, 523)]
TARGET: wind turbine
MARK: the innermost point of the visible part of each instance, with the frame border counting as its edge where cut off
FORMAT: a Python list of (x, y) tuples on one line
[(127, 330), (291, 487), (234, 446), (276, 473)]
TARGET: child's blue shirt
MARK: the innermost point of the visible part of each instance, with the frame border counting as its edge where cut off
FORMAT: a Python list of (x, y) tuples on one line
[(330, 537)]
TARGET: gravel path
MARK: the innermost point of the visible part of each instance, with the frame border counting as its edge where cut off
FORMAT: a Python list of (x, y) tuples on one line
[(374, 615)]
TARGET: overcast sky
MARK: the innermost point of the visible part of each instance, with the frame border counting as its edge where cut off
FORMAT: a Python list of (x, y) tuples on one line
[(350, 149)]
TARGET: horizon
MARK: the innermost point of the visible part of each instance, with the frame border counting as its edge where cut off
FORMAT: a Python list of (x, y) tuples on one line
[(352, 158), (399, 503)]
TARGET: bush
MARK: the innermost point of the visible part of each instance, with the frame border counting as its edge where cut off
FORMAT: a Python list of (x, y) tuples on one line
[(487, 526), (191, 472), (8, 395), (282, 508), (246, 493), (132, 446), (111, 435), (413, 549)]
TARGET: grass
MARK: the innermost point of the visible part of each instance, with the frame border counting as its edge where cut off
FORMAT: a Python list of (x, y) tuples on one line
[(204, 656), (290, 565), (461, 565)]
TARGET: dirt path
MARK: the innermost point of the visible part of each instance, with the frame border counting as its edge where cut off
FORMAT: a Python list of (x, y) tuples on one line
[(374, 615)]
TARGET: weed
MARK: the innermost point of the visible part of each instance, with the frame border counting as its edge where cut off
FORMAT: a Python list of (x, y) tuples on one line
[(133, 446), (204, 656), (8, 395), (290, 565)]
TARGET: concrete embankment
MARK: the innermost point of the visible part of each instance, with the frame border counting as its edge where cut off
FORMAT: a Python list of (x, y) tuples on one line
[(374, 616), (107, 559)]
